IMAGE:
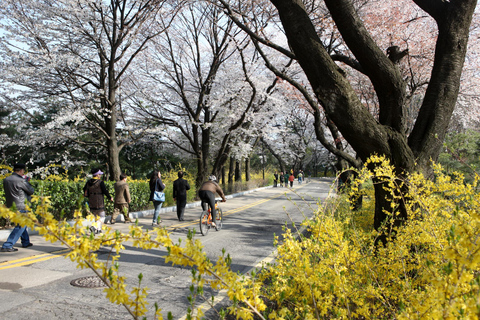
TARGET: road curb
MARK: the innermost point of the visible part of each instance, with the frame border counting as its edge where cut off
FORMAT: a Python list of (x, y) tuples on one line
[(145, 213)]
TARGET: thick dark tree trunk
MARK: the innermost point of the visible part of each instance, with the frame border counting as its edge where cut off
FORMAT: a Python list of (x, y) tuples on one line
[(113, 151), (247, 169), (238, 170), (113, 159), (387, 135), (221, 157), (201, 174), (231, 170)]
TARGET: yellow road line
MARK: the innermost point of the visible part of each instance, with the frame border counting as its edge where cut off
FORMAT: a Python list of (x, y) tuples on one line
[(63, 252), (222, 294), (229, 212), (33, 259)]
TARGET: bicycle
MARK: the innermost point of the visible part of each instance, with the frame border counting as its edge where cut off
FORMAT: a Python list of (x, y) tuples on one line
[(206, 219)]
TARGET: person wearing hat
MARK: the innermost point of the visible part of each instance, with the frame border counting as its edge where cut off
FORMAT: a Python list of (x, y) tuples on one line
[(207, 195), (95, 190), (17, 191)]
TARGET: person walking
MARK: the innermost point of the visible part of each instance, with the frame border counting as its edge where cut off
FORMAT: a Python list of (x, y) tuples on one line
[(95, 190), (291, 179), (282, 179), (156, 184), (285, 177), (122, 199), (275, 179), (180, 187), (17, 191), (207, 195), (300, 177)]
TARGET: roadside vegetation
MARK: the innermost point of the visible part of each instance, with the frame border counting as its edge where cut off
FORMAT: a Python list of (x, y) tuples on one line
[(426, 269), (370, 89), (65, 194)]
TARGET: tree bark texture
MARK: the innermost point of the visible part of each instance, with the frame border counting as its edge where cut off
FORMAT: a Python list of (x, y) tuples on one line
[(247, 169), (238, 170), (231, 170), (387, 136)]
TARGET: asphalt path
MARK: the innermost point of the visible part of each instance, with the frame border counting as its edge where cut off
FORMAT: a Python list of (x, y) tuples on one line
[(35, 283)]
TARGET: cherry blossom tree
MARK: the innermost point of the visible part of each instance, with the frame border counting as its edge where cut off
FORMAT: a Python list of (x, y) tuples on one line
[(386, 132), (196, 85), (294, 133), (78, 52)]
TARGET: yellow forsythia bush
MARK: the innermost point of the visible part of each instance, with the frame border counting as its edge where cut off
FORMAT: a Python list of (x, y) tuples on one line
[(428, 270)]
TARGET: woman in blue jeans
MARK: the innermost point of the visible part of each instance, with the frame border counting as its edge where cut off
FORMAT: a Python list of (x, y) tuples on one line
[(156, 184)]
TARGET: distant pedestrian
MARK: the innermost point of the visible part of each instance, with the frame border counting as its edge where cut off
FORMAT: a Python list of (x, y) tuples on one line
[(180, 187), (282, 179), (300, 177), (156, 184), (17, 191), (291, 179), (285, 177), (275, 179), (122, 199), (95, 190)]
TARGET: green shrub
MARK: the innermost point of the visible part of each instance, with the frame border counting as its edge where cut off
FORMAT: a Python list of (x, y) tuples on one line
[(66, 196)]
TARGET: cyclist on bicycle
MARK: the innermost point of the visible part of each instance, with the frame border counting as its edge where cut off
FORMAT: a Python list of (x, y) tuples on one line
[(207, 195)]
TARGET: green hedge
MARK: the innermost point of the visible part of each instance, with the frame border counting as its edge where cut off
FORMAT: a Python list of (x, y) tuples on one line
[(67, 196)]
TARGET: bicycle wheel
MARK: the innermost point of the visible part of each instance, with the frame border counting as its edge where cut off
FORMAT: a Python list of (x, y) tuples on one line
[(204, 224), (219, 219)]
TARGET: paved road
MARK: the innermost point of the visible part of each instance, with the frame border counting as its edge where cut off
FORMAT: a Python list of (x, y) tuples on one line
[(35, 282)]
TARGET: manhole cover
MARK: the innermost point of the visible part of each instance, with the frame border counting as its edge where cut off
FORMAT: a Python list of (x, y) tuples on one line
[(88, 282)]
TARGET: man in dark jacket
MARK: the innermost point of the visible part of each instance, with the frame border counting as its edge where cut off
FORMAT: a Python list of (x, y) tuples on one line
[(96, 190), (17, 190), (180, 187), (207, 195)]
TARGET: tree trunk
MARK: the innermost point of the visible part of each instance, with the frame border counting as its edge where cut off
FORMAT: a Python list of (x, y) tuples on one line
[(221, 157), (113, 160), (281, 162), (201, 173), (203, 150), (110, 128), (238, 170), (247, 169), (231, 170), (387, 135)]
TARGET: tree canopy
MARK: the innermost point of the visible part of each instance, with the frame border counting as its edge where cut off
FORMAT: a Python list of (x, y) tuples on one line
[(211, 81)]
